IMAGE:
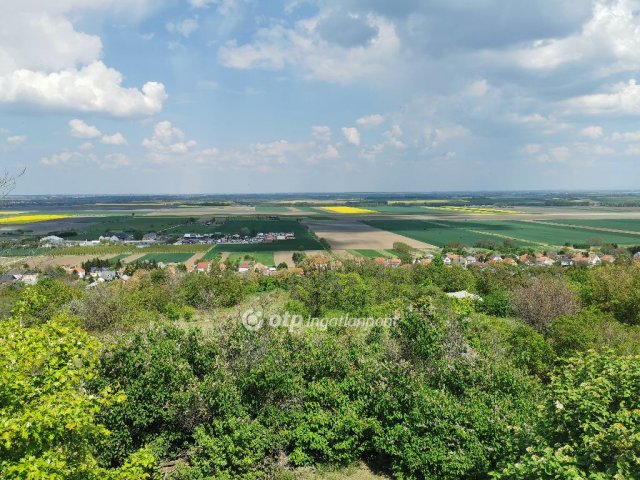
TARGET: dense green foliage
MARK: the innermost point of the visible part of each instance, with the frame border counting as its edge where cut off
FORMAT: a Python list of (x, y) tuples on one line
[(540, 379)]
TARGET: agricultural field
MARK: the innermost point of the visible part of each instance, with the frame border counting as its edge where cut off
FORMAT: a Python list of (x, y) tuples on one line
[(373, 253), (436, 233), (176, 257), (555, 234), (348, 210), (265, 258), (523, 233), (626, 224), (26, 219)]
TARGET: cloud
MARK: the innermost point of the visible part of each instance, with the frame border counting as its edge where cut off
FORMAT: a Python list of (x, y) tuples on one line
[(436, 136), (610, 38), (352, 135), (393, 137), (532, 148), (304, 47), (115, 139), (68, 158), (80, 129), (621, 99), (46, 63), (321, 132), (115, 160), (593, 132), (95, 88), (626, 136), (370, 120), (63, 158), (185, 28), (167, 142), (16, 139)]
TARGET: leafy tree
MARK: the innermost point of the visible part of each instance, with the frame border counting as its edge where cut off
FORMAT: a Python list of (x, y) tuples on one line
[(542, 300), (40, 302), (48, 419), (588, 423)]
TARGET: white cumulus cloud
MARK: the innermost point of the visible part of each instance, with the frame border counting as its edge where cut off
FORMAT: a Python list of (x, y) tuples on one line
[(45, 62), (16, 139), (370, 120), (80, 129), (115, 139), (351, 135)]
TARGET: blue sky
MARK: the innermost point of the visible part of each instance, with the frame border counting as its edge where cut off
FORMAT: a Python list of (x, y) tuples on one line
[(236, 96)]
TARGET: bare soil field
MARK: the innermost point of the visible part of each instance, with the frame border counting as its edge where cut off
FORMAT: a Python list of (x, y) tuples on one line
[(201, 211), (286, 257), (354, 235)]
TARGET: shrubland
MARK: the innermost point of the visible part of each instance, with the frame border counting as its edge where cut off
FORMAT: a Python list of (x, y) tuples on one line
[(157, 377)]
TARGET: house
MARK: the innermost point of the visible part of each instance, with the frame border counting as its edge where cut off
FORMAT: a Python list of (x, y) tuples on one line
[(525, 259), (594, 260), (580, 259), (7, 278), (244, 267), (106, 275), (394, 262), (509, 261), (636, 257), (150, 237), (79, 271), (566, 261), (608, 259), (380, 261), (202, 267)]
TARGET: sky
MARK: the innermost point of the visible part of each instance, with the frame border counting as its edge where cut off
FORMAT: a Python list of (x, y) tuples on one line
[(257, 96)]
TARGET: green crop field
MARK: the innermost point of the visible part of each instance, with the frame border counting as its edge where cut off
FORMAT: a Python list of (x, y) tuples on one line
[(523, 233), (177, 257), (629, 224), (265, 258), (212, 254), (551, 234), (437, 233)]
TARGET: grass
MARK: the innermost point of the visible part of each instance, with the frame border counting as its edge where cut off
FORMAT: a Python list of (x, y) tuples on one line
[(265, 258), (166, 257)]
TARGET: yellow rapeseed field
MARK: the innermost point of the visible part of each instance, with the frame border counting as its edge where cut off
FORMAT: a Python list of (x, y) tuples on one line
[(348, 210), (20, 219)]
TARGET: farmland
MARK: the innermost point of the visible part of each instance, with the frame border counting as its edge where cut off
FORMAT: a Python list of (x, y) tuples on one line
[(265, 258), (348, 210), (373, 253), (524, 233), (175, 257)]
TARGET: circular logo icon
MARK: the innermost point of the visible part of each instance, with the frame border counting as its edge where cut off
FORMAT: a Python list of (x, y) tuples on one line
[(252, 320)]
